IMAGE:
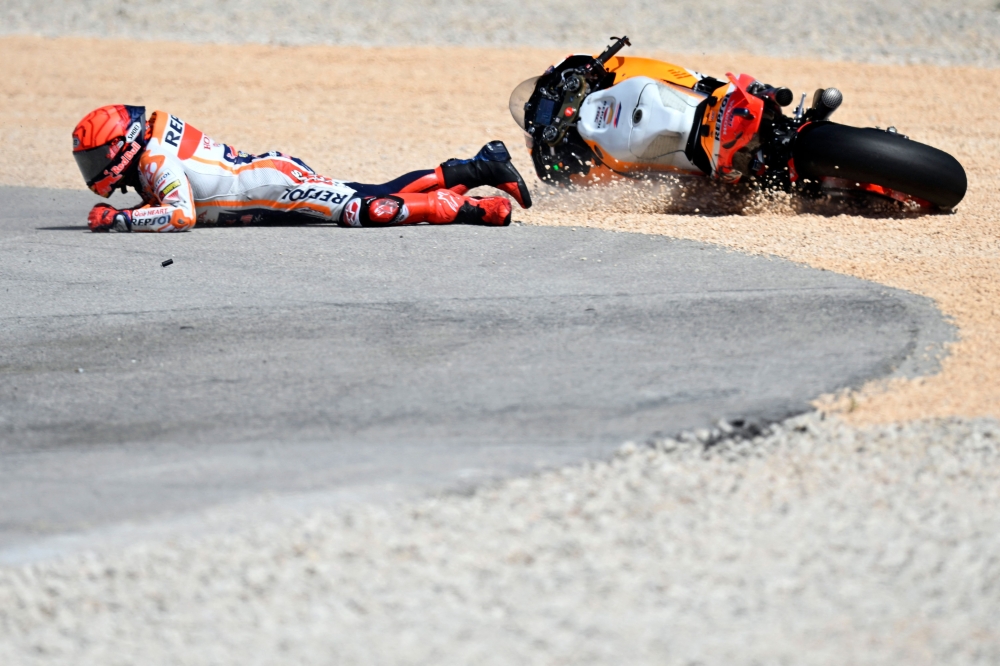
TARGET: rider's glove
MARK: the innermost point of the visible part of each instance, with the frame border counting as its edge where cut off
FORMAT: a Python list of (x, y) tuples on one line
[(105, 218)]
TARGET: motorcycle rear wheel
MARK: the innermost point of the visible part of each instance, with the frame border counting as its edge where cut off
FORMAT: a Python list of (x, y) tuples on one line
[(867, 155)]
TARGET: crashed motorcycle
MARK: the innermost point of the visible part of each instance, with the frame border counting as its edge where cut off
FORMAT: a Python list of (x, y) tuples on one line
[(590, 118)]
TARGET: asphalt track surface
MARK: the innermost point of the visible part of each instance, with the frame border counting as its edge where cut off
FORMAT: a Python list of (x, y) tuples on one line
[(318, 362)]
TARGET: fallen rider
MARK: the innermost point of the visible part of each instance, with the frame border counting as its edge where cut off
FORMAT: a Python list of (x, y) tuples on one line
[(184, 178)]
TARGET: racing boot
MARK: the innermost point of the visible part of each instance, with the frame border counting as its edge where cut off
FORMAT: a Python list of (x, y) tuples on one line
[(491, 166), (438, 207)]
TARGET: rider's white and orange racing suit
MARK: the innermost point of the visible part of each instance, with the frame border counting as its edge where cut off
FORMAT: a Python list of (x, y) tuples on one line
[(187, 178)]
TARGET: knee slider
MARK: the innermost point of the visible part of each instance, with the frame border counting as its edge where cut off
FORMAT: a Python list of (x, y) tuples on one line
[(375, 211)]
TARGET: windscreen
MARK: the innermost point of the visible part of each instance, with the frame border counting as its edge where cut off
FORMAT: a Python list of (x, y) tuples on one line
[(519, 98)]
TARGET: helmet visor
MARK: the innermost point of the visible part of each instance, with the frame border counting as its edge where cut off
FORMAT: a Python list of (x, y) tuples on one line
[(94, 162)]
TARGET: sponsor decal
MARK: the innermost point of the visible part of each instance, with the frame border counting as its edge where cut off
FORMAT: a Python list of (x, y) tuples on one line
[(206, 143), (157, 221), (174, 132), (721, 116), (603, 113), (314, 194), (150, 217), (133, 132), (352, 214), (169, 188), (126, 160), (618, 113)]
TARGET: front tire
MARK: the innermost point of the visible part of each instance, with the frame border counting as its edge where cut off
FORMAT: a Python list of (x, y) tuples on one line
[(867, 155)]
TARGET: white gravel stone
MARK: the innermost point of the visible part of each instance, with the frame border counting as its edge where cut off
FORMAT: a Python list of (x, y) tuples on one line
[(911, 31), (827, 545)]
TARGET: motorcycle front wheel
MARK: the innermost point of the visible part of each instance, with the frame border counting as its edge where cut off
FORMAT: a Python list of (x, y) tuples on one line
[(889, 160)]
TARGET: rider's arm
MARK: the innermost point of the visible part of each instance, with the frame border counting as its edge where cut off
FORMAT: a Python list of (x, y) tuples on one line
[(168, 202), (168, 199)]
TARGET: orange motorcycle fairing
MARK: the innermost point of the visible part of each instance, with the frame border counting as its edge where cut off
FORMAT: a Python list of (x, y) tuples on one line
[(730, 126), (627, 67)]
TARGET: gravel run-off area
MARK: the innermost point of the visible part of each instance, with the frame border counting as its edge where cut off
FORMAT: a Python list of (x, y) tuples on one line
[(810, 543), (957, 32), (868, 536)]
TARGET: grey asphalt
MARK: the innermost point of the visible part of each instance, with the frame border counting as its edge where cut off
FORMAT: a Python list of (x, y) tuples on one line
[(342, 363)]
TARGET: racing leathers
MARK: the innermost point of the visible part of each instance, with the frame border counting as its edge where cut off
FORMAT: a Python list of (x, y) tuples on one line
[(186, 178)]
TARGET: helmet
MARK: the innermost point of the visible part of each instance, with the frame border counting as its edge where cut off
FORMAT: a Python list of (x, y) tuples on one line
[(106, 143)]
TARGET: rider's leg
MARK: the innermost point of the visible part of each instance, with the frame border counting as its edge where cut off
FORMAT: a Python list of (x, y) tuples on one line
[(425, 180), (438, 207), (491, 166)]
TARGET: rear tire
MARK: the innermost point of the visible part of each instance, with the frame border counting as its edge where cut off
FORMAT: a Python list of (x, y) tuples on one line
[(867, 155)]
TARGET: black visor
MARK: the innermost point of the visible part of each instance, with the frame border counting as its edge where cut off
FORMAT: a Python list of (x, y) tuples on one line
[(94, 162)]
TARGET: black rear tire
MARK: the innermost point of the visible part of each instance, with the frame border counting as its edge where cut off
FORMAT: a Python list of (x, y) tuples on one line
[(867, 155)]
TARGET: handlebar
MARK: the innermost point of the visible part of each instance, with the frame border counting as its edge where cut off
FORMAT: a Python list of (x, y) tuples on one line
[(611, 51)]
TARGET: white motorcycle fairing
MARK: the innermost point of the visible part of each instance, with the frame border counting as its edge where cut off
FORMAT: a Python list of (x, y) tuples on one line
[(642, 121)]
